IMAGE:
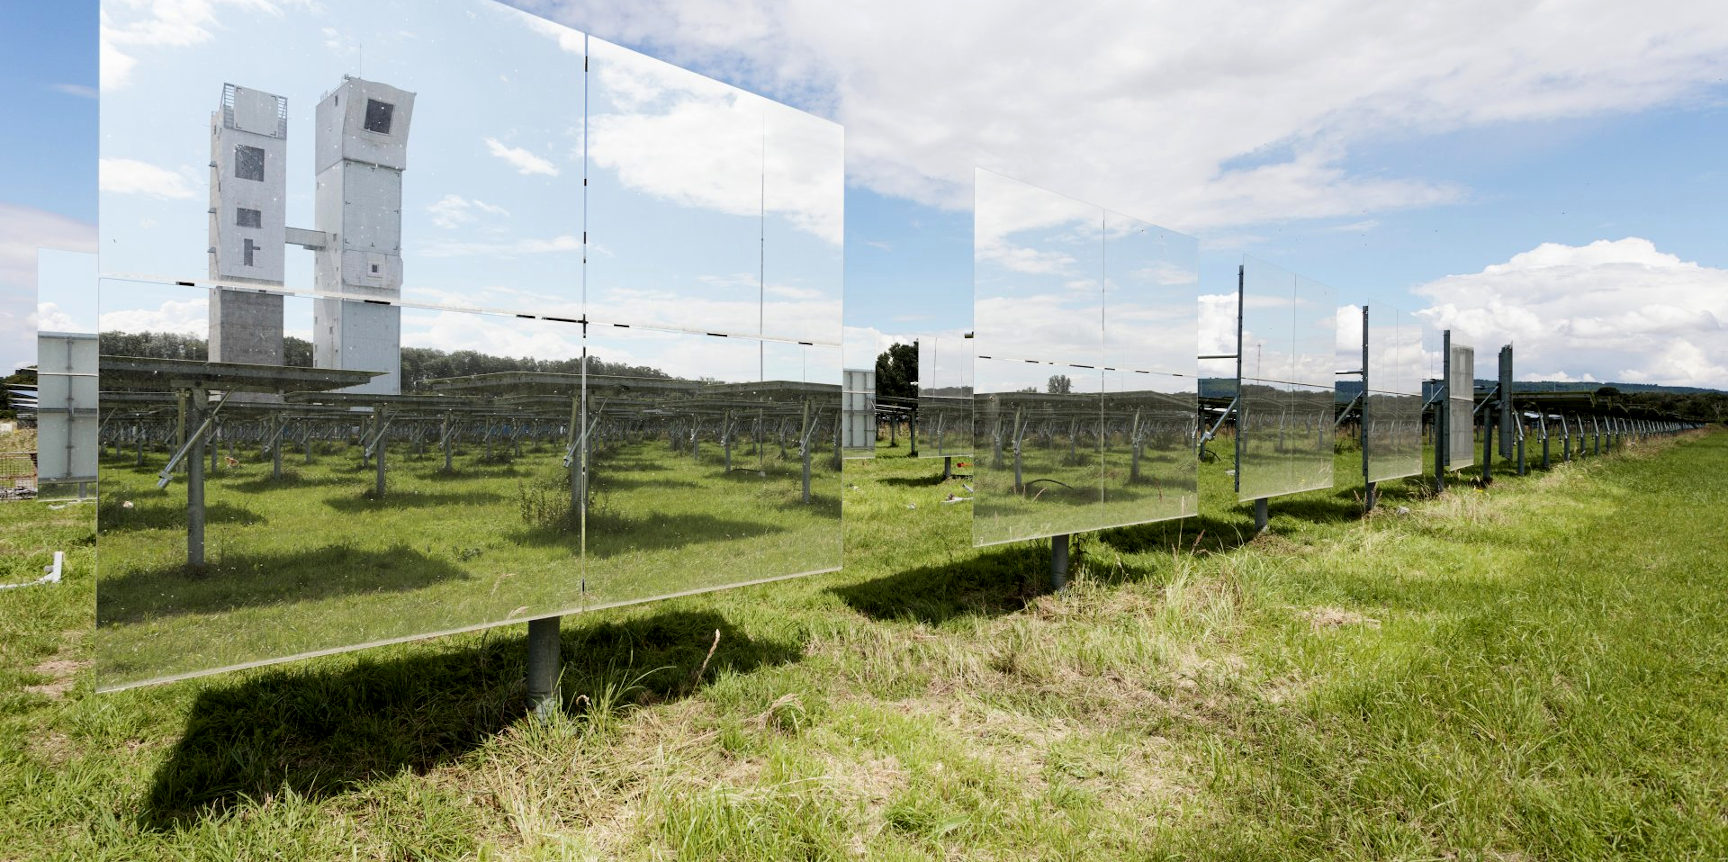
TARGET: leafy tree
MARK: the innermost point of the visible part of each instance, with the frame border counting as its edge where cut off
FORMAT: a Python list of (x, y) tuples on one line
[(897, 372), (1060, 384)]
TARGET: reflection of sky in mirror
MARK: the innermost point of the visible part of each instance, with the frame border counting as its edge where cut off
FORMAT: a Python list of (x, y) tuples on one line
[(944, 365), (490, 197), (908, 271), (709, 207), (1395, 358), (65, 291), (1038, 261), (1151, 310), (1289, 327)]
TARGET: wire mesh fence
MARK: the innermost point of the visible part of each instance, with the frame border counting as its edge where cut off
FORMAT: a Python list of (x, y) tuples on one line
[(17, 475)]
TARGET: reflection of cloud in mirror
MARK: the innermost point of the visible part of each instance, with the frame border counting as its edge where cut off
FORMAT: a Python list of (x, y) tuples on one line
[(696, 142), (525, 162), (182, 316), (50, 318), (133, 177), (453, 211)]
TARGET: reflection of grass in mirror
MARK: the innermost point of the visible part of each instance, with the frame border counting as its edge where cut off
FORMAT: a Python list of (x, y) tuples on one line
[(313, 562)]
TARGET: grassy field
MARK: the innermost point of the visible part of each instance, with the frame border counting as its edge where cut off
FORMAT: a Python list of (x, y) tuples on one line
[(1537, 670)]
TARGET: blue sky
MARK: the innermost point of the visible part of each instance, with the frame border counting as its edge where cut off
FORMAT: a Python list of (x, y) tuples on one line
[(1548, 175)]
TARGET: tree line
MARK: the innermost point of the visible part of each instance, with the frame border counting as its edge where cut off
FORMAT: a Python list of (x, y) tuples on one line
[(419, 364)]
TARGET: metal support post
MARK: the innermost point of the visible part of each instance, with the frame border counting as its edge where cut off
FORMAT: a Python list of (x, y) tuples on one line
[(1059, 562), (947, 467), (1367, 483), (1487, 446), (544, 653), (1261, 517), (378, 449), (1442, 412), (195, 483)]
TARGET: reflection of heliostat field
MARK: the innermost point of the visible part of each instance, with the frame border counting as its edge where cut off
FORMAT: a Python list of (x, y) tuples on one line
[(543, 325)]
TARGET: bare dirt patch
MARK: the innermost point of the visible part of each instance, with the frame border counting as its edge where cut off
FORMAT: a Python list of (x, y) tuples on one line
[(1322, 618)]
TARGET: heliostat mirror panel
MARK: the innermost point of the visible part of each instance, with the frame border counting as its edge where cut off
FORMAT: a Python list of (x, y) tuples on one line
[(1085, 389), (1461, 397), (1396, 367), (1286, 400)]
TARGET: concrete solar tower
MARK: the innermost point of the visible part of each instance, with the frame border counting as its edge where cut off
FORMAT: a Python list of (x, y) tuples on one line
[(248, 223), (362, 150)]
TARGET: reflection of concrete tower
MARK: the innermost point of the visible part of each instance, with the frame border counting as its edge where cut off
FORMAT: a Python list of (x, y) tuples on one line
[(248, 223), (362, 150)]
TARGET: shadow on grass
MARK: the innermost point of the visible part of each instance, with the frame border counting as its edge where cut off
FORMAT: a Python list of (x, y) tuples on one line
[(912, 481), (290, 479), (993, 583), (324, 733), (243, 580), (113, 517), (611, 533), (355, 503)]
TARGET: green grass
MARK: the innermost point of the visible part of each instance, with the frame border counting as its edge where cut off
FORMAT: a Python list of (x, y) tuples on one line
[(1535, 670)]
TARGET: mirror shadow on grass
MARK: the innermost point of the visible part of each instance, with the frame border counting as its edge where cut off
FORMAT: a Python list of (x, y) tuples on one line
[(995, 582), (322, 733)]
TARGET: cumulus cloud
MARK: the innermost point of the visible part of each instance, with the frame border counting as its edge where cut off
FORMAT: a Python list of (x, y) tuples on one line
[(525, 162), (563, 243), (453, 211), (148, 24), (184, 317), (1618, 310), (23, 231), (133, 177), (1125, 103), (701, 144)]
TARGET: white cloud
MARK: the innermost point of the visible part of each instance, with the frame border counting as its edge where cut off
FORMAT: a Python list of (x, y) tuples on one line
[(701, 144), (563, 243), (1190, 115), (133, 177), (82, 91), (186, 317), (135, 24), (525, 163), (1612, 310), (51, 318), (453, 211)]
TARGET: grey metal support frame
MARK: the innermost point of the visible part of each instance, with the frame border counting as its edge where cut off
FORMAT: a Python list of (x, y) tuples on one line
[(544, 654), (1059, 562), (1488, 439), (1442, 411)]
